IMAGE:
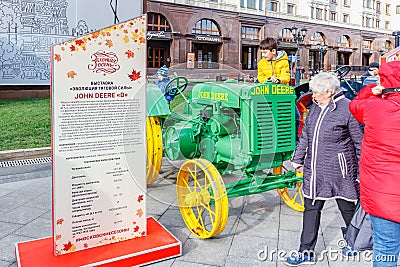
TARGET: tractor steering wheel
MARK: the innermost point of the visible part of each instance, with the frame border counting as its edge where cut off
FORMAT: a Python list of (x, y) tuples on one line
[(179, 85), (343, 71)]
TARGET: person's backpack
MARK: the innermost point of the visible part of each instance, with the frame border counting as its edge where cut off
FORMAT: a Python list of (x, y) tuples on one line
[(359, 233)]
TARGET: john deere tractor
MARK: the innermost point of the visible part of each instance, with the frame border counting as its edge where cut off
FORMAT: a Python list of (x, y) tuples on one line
[(241, 131)]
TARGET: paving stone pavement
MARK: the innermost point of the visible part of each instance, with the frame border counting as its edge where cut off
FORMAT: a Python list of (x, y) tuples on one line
[(260, 228)]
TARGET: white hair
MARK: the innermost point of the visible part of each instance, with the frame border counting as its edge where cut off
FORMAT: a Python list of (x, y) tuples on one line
[(324, 82)]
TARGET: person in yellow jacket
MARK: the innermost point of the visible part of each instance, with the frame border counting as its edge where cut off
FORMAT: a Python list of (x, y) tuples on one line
[(274, 64)]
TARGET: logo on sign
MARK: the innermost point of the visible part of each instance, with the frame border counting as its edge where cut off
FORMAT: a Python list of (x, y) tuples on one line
[(104, 62), (160, 34)]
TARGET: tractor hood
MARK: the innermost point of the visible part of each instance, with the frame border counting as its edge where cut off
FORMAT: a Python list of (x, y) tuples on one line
[(230, 92)]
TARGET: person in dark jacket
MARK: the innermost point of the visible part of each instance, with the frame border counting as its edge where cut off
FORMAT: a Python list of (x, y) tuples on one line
[(371, 75), (328, 152), (378, 107)]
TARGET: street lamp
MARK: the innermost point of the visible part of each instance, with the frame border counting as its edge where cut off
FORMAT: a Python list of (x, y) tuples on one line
[(322, 49), (396, 35), (298, 37)]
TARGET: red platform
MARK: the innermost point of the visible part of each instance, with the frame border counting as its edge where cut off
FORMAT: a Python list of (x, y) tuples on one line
[(157, 245)]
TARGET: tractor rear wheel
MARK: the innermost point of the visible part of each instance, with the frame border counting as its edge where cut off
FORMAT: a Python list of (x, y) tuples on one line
[(293, 197), (202, 198), (154, 148)]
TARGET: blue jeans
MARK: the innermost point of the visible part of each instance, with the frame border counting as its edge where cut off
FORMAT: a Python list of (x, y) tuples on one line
[(386, 238)]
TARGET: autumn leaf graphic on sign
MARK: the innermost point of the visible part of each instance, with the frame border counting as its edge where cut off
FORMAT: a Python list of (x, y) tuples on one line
[(126, 31), (71, 74), (130, 54), (139, 212), (142, 40), (60, 221), (125, 39), (95, 34), (69, 247), (134, 75), (58, 237), (73, 48), (136, 229), (85, 245), (109, 43), (57, 57), (140, 198), (79, 42)]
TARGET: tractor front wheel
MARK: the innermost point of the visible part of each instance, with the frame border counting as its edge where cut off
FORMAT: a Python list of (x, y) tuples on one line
[(202, 198), (293, 197), (154, 148)]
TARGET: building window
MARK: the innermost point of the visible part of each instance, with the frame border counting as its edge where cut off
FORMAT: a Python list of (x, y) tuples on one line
[(213, 3), (333, 1), (318, 13), (286, 35), (387, 9), (367, 44), (242, 3), (346, 18), (346, 2), (367, 3), (251, 4), (397, 9), (273, 6), (290, 9), (157, 22), (333, 16), (368, 22), (378, 7), (206, 26), (387, 25), (378, 24), (343, 41), (317, 38), (312, 12), (250, 33), (388, 45)]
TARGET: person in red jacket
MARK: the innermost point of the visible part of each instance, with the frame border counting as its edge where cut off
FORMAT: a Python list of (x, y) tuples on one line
[(378, 108)]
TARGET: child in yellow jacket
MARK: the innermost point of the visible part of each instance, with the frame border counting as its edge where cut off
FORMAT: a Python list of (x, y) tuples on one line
[(274, 64)]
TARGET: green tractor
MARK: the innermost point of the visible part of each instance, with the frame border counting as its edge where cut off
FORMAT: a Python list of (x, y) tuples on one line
[(236, 129)]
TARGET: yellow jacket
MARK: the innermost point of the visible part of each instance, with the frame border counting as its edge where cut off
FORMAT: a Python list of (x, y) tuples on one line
[(278, 68)]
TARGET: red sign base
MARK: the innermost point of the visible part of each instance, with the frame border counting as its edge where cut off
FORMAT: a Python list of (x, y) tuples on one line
[(157, 245)]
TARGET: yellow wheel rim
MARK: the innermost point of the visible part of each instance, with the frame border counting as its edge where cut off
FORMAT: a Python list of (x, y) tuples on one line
[(154, 148), (202, 198), (293, 197)]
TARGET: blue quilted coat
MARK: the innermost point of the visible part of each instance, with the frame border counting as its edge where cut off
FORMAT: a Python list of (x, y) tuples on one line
[(329, 150)]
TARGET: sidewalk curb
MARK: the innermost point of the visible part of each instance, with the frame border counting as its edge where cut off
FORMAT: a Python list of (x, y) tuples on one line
[(25, 153)]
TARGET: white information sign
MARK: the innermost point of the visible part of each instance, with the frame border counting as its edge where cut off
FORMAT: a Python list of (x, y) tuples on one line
[(98, 137)]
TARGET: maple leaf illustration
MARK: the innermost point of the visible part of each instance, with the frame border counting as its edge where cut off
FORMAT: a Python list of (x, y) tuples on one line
[(79, 42), (109, 43), (140, 198), (71, 74), (60, 221), (85, 245), (126, 31), (72, 48), (134, 75), (58, 237), (130, 54), (139, 212), (108, 33), (95, 34), (67, 246), (57, 57), (142, 40), (125, 39), (136, 229)]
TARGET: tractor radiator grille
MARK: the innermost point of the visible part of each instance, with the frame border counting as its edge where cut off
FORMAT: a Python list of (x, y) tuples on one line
[(274, 126)]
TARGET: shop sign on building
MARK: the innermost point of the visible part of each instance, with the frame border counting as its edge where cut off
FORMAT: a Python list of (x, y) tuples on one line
[(158, 35), (208, 38), (345, 49)]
